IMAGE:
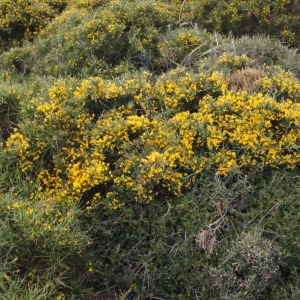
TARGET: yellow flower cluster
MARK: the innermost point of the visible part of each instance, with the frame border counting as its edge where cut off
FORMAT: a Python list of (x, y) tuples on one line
[(244, 16), (281, 85), (150, 138), (179, 44), (29, 16), (176, 88), (234, 62)]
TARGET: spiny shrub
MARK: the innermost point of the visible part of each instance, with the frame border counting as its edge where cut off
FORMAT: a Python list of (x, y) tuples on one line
[(278, 18), (262, 50), (10, 96), (20, 19), (124, 144), (139, 160), (272, 211), (155, 250), (180, 124), (184, 46), (42, 244), (249, 269), (93, 42)]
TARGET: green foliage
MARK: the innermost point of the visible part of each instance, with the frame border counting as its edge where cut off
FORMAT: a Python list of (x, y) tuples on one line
[(143, 156), (20, 19), (224, 240), (42, 245), (249, 269), (262, 50), (10, 96), (184, 46), (277, 18), (86, 42)]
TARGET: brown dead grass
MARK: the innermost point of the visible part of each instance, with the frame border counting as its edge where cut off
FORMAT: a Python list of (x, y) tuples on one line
[(245, 79)]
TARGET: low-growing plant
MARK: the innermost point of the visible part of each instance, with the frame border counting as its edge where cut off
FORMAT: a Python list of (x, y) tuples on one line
[(276, 18), (184, 46), (248, 269), (93, 42), (143, 157), (21, 19), (10, 96), (263, 50), (42, 247)]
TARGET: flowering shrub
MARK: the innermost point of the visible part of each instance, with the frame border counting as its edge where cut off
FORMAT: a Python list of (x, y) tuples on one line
[(81, 40), (184, 46), (169, 129), (139, 153), (278, 18), (39, 242), (9, 106), (26, 18)]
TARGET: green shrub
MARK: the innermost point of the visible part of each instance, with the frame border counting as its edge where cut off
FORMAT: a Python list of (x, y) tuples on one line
[(249, 268), (20, 19), (225, 239), (10, 96), (184, 46), (234, 54), (138, 157), (263, 50), (42, 246), (277, 18), (96, 42), (277, 201)]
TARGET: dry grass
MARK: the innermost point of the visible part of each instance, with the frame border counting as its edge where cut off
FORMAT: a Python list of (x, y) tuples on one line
[(245, 79)]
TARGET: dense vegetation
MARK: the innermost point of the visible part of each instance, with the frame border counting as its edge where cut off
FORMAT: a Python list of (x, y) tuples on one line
[(150, 149)]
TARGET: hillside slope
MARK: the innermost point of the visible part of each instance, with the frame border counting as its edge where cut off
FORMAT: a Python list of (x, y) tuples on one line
[(150, 149)]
